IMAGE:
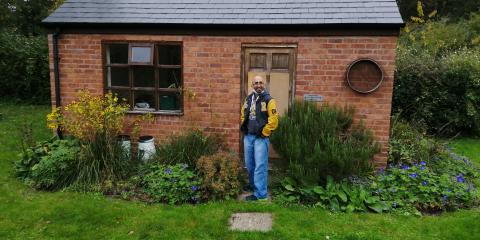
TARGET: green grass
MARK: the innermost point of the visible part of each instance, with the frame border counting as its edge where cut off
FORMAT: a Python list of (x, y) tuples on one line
[(28, 214), (468, 147)]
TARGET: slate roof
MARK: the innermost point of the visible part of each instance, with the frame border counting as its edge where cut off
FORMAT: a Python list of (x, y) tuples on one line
[(227, 12)]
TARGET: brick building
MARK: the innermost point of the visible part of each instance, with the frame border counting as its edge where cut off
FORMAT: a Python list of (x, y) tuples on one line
[(190, 62)]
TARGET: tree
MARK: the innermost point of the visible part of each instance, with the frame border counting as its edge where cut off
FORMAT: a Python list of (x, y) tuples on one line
[(25, 16), (452, 9)]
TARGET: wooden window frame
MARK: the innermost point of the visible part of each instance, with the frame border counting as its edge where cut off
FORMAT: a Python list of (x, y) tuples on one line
[(130, 55), (157, 91)]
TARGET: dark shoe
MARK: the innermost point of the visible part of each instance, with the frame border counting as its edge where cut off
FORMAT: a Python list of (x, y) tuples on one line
[(250, 198), (247, 188)]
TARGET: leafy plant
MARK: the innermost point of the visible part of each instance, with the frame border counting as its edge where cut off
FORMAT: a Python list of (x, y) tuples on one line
[(408, 145), (318, 142), (334, 196), (187, 148), (221, 175), (171, 184), (49, 165), (31, 156), (58, 169)]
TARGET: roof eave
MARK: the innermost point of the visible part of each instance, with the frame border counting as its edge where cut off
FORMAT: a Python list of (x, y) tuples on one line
[(227, 29)]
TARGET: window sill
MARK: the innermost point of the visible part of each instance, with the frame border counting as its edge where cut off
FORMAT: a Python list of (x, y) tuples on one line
[(160, 112)]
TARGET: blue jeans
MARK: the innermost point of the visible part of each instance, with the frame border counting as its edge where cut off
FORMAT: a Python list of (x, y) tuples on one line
[(256, 161)]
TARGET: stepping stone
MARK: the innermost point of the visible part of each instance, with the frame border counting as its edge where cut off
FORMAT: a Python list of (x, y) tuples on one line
[(251, 222)]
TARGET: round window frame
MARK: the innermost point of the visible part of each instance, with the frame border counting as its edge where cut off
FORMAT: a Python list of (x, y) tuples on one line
[(364, 60)]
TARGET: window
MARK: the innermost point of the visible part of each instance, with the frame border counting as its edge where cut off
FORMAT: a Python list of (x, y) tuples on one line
[(148, 76)]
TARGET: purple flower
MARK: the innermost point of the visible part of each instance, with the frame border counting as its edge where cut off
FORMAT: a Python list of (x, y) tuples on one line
[(168, 171), (194, 188), (405, 167), (460, 178), (423, 163), (424, 183), (422, 168), (413, 175), (444, 198), (381, 170)]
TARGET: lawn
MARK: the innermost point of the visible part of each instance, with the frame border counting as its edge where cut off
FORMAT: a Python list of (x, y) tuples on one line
[(28, 214), (469, 147)]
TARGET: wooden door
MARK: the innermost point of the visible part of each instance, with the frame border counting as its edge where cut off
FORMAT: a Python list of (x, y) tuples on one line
[(276, 64)]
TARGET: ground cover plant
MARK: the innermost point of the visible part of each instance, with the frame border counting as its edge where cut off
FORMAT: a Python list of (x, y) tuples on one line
[(171, 184), (46, 215)]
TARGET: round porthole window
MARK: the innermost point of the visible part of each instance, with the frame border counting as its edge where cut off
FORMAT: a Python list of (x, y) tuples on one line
[(364, 75)]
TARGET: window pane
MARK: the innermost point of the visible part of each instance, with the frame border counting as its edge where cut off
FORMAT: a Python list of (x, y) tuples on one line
[(122, 95), (141, 54), (258, 60), (143, 77), (118, 77), (169, 101), (169, 55), (118, 53), (144, 100), (170, 78), (280, 60)]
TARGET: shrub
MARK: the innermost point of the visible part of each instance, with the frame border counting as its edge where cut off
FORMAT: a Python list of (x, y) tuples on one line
[(171, 184), (24, 68), (408, 145), (187, 148), (95, 121), (220, 174), (436, 80), (316, 142), (90, 116), (49, 165)]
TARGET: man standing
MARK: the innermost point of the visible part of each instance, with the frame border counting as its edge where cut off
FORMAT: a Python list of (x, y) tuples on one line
[(259, 118)]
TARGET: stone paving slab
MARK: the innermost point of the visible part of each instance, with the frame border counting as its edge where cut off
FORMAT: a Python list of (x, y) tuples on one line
[(251, 222)]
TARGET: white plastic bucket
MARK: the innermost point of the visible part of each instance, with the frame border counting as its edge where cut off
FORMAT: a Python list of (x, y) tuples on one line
[(126, 143), (146, 147)]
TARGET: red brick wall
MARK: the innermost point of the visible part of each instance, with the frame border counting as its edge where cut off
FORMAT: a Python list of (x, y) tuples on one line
[(212, 68)]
